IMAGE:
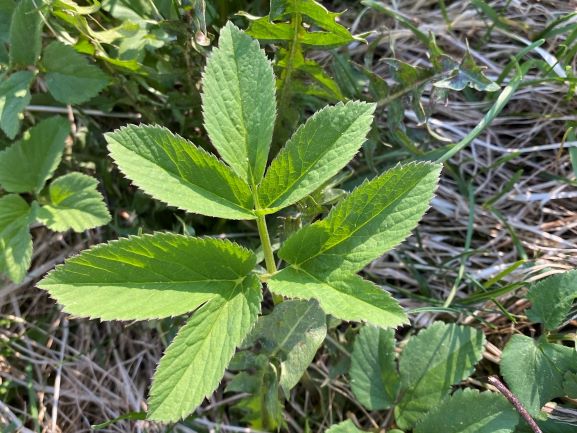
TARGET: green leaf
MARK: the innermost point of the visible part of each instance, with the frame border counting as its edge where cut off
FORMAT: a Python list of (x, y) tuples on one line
[(194, 363), (317, 151), (534, 370), (347, 297), (239, 103), (74, 204), (468, 74), (174, 170), (70, 78), (570, 384), (14, 97), (470, 411), (147, 277), (15, 239), (344, 427), (26, 33), (552, 299), (374, 218), (7, 8), (27, 164), (292, 333), (374, 376), (438, 357)]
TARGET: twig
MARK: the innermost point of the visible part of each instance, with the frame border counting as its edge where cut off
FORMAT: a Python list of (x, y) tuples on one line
[(89, 112), (58, 379), (493, 380)]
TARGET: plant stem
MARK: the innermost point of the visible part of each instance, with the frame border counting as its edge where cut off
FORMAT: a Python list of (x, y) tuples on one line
[(266, 245)]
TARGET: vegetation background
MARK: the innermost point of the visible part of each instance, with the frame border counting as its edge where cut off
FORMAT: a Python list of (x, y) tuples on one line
[(504, 214)]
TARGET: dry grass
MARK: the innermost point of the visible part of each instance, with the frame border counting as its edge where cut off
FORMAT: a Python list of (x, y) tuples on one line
[(63, 375)]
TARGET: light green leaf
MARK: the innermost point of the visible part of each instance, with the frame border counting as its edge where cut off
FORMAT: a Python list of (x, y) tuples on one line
[(70, 78), (15, 239), (344, 427), (239, 103), (317, 151), (373, 372), (291, 334), (470, 411), (194, 363), (147, 277), (347, 297), (534, 370), (74, 204), (27, 164), (552, 299), (26, 33), (374, 218), (14, 97), (432, 361), (174, 170)]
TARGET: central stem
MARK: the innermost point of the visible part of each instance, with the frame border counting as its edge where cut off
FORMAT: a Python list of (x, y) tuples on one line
[(266, 245)]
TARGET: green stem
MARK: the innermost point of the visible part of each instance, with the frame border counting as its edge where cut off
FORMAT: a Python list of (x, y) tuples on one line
[(266, 245)]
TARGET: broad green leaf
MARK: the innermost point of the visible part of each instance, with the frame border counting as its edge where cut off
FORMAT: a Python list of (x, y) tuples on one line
[(174, 170), (147, 277), (239, 104), (534, 370), (291, 334), (373, 372), (27, 164), (570, 384), (15, 239), (6, 10), (347, 297), (552, 299), (26, 33), (14, 97), (438, 357), (194, 363), (317, 151), (374, 218), (74, 204), (70, 78), (471, 411), (344, 427)]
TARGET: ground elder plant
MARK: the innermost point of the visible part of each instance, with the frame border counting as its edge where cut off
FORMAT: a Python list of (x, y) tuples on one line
[(163, 275)]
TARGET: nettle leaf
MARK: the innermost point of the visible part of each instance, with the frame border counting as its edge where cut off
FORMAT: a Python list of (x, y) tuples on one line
[(74, 204), (344, 427), (345, 296), (177, 172), (194, 363), (534, 370), (27, 164), (26, 33), (471, 411), (147, 277), (239, 104), (374, 218), (14, 97), (552, 299), (317, 151), (15, 239), (438, 357), (70, 78), (373, 372)]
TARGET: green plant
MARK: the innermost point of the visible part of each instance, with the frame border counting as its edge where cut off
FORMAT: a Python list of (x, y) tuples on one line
[(164, 275)]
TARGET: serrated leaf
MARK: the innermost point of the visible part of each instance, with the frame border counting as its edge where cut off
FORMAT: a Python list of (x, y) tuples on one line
[(239, 104), (194, 363), (147, 277), (438, 357), (177, 172), (292, 333), (347, 297), (14, 97), (344, 427), (27, 164), (552, 299), (26, 33), (70, 78), (374, 218), (75, 204), (471, 411), (534, 370), (15, 239), (317, 151), (373, 372)]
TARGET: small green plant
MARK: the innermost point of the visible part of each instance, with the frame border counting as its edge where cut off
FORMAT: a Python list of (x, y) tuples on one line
[(164, 275)]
